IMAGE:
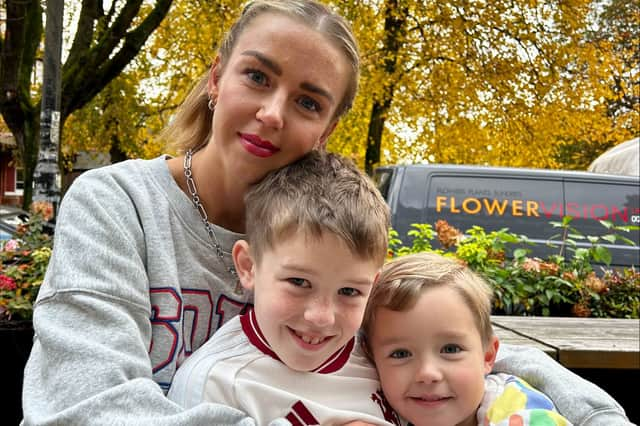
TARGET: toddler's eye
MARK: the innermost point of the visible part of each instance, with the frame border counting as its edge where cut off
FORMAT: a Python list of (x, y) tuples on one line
[(451, 349), (348, 291), (400, 354)]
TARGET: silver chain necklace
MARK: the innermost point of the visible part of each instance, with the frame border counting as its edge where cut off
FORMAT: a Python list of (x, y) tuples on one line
[(195, 198)]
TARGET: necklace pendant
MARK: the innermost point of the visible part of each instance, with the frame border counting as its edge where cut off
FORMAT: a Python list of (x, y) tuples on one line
[(238, 290)]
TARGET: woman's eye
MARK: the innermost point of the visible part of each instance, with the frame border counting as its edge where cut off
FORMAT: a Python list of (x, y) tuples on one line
[(451, 349), (310, 104), (257, 77), (400, 354), (348, 291), (298, 282)]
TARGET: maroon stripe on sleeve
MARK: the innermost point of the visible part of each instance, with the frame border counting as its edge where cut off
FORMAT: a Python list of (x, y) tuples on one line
[(304, 414), (293, 419)]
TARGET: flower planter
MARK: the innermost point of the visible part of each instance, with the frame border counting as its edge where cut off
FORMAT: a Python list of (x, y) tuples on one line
[(16, 338)]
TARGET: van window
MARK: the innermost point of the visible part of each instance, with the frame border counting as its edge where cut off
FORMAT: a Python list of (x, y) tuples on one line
[(410, 205), (382, 179), (525, 206)]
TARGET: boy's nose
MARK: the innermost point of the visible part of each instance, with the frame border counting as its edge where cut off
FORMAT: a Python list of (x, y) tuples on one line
[(429, 371), (320, 313)]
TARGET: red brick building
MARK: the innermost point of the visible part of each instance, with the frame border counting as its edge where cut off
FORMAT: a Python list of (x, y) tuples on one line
[(11, 180)]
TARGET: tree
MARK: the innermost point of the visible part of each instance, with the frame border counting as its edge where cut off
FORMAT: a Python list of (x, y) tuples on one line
[(616, 69), (105, 41), (127, 116), (502, 83), (395, 21), (514, 83)]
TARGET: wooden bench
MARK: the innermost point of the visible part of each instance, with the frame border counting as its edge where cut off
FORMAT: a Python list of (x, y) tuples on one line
[(576, 342)]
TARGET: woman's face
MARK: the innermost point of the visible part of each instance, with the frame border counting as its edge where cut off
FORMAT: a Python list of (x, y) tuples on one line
[(275, 96)]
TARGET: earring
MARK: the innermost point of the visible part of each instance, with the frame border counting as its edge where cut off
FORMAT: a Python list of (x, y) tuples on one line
[(211, 104)]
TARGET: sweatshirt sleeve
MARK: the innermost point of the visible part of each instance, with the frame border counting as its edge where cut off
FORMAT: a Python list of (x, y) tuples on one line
[(580, 401), (90, 362)]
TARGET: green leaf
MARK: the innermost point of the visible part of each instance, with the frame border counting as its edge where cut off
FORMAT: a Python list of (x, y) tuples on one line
[(602, 254), (566, 220), (607, 224), (520, 253), (593, 239)]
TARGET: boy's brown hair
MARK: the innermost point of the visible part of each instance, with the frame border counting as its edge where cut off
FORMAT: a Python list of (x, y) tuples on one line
[(321, 192), (405, 278)]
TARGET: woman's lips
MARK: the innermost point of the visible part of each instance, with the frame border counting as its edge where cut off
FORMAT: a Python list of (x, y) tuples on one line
[(257, 146)]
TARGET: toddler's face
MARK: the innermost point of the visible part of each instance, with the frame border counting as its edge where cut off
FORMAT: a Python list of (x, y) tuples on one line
[(431, 359)]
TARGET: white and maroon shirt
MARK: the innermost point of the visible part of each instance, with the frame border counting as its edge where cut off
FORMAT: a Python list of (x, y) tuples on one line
[(237, 367)]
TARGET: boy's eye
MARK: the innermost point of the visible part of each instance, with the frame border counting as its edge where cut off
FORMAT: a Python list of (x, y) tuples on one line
[(451, 349), (348, 291), (308, 103), (400, 354), (257, 77), (298, 282)]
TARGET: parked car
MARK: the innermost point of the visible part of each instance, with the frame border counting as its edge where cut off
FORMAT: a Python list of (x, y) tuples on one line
[(10, 218), (523, 200)]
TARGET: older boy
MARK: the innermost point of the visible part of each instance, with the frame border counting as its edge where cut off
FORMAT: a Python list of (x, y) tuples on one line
[(316, 240)]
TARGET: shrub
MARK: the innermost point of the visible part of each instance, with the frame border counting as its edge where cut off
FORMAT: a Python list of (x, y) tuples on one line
[(24, 262), (565, 284)]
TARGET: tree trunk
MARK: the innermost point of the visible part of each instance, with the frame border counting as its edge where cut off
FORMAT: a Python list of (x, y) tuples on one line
[(394, 30), (104, 43), (29, 155)]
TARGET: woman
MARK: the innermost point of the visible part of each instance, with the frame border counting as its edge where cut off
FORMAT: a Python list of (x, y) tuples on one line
[(141, 273)]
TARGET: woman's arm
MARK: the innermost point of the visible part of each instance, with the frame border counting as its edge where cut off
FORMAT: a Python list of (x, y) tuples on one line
[(90, 360)]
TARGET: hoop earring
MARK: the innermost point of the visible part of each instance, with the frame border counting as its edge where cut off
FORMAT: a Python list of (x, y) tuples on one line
[(211, 104)]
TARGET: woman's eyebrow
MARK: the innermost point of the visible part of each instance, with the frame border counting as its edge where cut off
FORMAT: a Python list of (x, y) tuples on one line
[(265, 61), (318, 90)]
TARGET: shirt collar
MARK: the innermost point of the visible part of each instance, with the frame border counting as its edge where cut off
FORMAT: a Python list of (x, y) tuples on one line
[(252, 330)]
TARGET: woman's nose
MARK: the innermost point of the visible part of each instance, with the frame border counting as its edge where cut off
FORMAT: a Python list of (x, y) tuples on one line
[(271, 112)]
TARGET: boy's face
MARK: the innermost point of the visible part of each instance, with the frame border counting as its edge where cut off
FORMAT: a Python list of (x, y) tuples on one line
[(309, 295), (431, 359)]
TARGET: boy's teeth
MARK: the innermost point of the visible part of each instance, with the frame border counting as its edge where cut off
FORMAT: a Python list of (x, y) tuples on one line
[(310, 340)]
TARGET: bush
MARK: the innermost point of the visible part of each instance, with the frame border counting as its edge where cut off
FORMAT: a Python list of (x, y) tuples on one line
[(24, 262), (562, 285)]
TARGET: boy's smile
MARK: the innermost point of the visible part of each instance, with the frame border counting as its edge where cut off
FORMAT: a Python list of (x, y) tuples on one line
[(310, 341), (309, 293), (431, 359)]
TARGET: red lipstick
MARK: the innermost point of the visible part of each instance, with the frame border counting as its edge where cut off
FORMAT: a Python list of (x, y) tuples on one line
[(257, 146)]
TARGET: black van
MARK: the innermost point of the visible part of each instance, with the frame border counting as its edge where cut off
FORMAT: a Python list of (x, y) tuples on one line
[(523, 200)]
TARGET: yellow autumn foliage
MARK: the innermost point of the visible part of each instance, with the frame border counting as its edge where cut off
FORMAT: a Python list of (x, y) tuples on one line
[(516, 83)]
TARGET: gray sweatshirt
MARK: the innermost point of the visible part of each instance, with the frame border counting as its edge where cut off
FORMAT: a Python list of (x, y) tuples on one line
[(134, 287)]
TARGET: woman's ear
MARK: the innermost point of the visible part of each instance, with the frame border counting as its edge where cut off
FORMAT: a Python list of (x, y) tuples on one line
[(322, 142), (214, 77), (490, 354), (245, 266)]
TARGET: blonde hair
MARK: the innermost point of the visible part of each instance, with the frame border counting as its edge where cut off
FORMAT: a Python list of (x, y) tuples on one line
[(321, 192), (191, 127), (404, 279)]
